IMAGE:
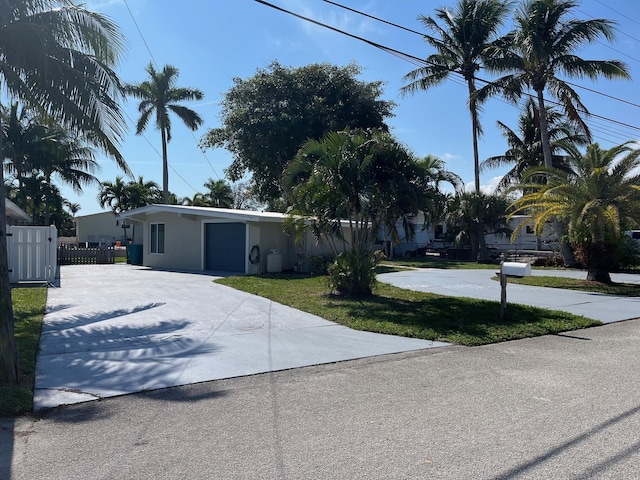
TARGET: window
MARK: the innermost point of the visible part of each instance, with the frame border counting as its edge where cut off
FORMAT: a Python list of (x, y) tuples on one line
[(530, 230), (157, 238)]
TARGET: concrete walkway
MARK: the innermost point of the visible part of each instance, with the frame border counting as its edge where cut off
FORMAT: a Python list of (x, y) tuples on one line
[(117, 329), (478, 284)]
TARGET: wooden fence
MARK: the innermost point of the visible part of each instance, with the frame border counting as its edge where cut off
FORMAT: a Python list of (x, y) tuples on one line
[(85, 256)]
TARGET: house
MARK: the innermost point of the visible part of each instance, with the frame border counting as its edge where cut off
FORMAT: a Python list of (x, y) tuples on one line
[(202, 238), (104, 229), (526, 238)]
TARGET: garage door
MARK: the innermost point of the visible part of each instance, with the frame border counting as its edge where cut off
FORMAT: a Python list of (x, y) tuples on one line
[(225, 246)]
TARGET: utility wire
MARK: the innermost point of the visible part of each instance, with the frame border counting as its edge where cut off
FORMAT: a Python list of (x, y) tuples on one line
[(423, 35), (413, 58)]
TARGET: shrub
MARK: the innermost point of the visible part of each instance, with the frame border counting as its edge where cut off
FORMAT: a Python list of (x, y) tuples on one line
[(320, 263), (353, 272)]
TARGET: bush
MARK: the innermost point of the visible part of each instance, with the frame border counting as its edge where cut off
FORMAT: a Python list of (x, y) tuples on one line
[(353, 272), (320, 263), (627, 255)]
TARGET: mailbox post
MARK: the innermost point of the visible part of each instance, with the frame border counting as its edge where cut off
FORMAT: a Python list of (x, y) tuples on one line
[(512, 269)]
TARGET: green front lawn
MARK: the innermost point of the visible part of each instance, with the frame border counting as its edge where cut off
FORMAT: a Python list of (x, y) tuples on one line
[(406, 313), (28, 309)]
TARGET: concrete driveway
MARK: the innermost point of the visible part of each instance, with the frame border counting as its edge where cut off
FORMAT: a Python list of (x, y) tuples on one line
[(116, 329), (478, 284)]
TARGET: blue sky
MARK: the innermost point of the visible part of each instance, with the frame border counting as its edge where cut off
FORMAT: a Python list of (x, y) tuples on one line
[(213, 41)]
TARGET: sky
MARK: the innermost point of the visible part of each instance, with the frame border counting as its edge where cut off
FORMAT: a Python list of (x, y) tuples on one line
[(213, 41)]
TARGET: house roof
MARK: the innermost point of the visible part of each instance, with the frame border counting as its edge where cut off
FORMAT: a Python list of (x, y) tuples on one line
[(142, 213), (15, 212)]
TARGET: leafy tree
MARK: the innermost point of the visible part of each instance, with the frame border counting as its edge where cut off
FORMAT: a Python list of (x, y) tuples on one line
[(244, 198), (473, 215), (160, 95), (364, 177), (461, 41), (267, 117), (600, 198), (219, 193), (57, 57)]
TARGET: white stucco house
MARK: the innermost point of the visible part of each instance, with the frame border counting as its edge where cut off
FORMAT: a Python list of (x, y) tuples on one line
[(105, 229), (218, 239)]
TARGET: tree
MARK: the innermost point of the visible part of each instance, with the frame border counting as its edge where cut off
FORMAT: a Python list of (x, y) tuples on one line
[(365, 178), (542, 46), (267, 117), (461, 43), (160, 95), (473, 215), (219, 193), (121, 196), (597, 200), (57, 57), (525, 145)]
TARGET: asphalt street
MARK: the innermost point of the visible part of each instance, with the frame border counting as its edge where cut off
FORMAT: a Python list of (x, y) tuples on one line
[(555, 407)]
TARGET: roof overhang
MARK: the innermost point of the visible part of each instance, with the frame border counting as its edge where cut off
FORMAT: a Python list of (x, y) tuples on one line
[(144, 213), (15, 212)]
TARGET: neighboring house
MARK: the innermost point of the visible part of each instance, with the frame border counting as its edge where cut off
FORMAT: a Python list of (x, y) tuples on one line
[(104, 229), (526, 238), (202, 238)]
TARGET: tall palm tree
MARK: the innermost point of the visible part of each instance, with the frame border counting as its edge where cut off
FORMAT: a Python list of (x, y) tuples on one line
[(160, 95), (597, 199), (219, 193), (525, 145), (461, 43), (57, 57), (544, 45)]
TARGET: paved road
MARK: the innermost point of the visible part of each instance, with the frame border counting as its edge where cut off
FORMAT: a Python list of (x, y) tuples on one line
[(554, 407)]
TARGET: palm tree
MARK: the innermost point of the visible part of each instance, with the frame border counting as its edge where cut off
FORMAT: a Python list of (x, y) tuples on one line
[(57, 57), (601, 196), (160, 95), (219, 193), (473, 215), (542, 46), (525, 145), (199, 199), (461, 42), (114, 195)]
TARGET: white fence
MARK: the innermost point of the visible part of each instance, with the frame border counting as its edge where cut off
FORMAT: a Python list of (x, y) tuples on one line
[(32, 253)]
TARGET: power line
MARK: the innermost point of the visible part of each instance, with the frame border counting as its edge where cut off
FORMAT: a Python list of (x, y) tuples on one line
[(423, 35), (413, 58)]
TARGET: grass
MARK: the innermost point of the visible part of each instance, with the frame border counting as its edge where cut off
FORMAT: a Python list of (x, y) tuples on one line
[(406, 313), (28, 308), (618, 289)]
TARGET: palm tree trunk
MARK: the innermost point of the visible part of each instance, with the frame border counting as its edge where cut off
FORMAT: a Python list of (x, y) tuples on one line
[(565, 249), (8, 348), (165, 169), (475, 125)]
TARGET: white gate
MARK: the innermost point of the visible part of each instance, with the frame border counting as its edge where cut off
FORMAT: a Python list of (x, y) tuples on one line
[(32, 253)]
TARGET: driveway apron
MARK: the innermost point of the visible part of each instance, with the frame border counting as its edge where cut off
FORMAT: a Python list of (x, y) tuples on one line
[(117, 329)]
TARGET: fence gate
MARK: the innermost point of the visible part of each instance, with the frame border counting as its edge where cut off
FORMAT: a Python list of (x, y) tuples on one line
[(32, 253)]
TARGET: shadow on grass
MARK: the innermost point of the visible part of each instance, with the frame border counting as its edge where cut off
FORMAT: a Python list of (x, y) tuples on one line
[(450, 319)]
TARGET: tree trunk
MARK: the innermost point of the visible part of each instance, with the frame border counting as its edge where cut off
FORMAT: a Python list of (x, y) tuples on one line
[(565, 249), (8, 348), (598, 275), (165, 169)]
